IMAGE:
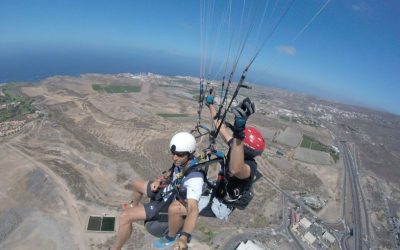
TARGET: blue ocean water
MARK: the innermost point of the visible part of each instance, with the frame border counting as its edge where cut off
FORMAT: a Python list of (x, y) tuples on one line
[(33, 66)]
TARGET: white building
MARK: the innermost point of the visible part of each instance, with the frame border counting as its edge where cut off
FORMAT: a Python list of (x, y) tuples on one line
[(309, 238), (250, 245), (304, 222), (329, 237)]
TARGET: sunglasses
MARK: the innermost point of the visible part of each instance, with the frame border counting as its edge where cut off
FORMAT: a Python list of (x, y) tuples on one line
[(179, 154)]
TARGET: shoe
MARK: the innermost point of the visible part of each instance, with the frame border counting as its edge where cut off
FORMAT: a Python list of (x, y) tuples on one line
[(163, 242)]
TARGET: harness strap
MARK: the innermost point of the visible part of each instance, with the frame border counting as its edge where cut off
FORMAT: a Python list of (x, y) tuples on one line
[(201, 167)]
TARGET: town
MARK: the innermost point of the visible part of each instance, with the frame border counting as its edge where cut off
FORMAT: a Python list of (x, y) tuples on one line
[(15, 111)]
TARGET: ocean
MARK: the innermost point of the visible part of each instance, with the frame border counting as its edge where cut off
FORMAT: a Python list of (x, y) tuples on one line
[(33, 66)]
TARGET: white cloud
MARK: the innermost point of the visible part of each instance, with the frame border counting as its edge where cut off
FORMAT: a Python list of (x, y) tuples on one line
[(359, 7), (185, 26), (362, 7), (287, 50)]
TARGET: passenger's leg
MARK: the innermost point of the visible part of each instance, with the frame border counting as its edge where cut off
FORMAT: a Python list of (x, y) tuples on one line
[(127, 217), (139, 189), (176, 212)]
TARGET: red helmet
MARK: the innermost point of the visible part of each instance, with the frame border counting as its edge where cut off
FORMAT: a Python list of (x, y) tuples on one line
[(254, 143)]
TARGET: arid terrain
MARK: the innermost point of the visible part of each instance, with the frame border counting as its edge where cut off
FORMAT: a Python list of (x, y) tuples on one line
[(80, 157)]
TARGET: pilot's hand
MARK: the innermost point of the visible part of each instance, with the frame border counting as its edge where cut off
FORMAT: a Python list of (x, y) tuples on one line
[(242, 111), (209, 100)]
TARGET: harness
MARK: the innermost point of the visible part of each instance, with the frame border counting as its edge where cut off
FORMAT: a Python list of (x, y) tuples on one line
[(158, 226), (232, 191), (240, 195), (195, 166), (229, 190), (217, 189)]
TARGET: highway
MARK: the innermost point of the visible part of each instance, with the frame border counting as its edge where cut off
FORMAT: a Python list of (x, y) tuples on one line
[(355, 242), (366, 233)]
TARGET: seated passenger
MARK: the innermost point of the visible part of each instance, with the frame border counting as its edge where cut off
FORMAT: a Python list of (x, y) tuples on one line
[(182, 147)]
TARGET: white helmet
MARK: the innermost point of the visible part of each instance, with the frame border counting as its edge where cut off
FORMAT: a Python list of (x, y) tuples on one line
[(183, 142)]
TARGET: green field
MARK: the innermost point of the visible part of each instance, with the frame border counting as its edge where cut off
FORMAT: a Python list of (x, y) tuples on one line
[(284, 118), (168, 115), (311, 143), (18, 106), (115, 88)]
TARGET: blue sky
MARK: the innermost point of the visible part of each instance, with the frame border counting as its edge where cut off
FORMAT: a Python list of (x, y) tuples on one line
[(347, 52)]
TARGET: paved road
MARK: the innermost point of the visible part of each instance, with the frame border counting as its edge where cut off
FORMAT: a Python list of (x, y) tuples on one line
[(366, 235), (355, 197)]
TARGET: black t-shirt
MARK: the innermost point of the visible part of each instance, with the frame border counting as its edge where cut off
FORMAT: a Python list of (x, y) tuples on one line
[(235, 187)]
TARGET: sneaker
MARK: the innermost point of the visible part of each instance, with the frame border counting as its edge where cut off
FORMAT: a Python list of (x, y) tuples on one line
[(163, 242)]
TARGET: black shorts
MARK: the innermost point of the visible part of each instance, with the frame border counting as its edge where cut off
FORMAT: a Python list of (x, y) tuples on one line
[(157, 208)]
